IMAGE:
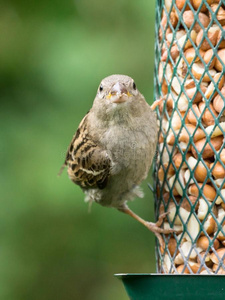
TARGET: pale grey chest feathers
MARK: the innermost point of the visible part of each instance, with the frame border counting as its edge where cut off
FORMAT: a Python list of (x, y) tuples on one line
[(129, 150)]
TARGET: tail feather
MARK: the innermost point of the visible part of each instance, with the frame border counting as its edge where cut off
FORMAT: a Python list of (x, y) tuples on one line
[(61, 169)]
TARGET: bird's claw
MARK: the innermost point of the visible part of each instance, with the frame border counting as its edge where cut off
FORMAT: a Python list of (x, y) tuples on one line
[(161, 218), (157, 230), (157, 102)]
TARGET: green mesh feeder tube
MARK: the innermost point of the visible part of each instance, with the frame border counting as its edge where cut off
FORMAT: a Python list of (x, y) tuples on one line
[(189, 170)]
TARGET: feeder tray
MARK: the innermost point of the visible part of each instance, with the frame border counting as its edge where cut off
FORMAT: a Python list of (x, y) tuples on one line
[(172, 287)]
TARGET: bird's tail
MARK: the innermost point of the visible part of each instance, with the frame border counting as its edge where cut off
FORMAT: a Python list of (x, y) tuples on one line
[(61, 169)]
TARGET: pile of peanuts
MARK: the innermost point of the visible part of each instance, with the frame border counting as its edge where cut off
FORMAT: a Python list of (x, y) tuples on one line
[(191, 154)]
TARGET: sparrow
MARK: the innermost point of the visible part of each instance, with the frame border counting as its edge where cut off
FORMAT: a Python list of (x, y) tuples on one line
[(113, 148)]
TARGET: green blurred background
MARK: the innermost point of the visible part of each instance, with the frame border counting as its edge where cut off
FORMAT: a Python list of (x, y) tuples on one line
[(53, 55)]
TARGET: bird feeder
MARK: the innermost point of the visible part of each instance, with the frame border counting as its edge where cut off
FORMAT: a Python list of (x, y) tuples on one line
[(189, 171), (190, 168)]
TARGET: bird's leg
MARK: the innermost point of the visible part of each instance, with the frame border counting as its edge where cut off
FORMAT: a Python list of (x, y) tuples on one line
[(157, 103), (154, 227)]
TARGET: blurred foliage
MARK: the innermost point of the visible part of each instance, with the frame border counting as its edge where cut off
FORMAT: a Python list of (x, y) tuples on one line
[(53, 55)]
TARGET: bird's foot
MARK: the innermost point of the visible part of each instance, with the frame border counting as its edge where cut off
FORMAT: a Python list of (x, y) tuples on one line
[(156, 103), (157, 230), (154, 227)]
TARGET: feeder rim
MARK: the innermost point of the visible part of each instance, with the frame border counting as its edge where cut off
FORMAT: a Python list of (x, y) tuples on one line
[(126, 275)]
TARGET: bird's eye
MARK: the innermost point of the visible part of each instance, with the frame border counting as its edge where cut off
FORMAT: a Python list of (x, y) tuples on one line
[(134, 86), (101, 88)]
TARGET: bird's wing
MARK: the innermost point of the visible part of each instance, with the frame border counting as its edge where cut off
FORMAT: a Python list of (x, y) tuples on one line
[(88, 164)]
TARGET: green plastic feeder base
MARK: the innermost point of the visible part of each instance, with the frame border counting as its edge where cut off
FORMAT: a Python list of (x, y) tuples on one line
[(182, 287)]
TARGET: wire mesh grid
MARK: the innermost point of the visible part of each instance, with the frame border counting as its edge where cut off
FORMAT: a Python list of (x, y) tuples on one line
[(190, 168)]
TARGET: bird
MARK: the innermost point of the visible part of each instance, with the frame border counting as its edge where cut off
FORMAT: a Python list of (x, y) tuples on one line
[(113, 148)]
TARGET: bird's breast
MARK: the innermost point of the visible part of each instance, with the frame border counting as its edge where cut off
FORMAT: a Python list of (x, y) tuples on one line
[(131, 150)]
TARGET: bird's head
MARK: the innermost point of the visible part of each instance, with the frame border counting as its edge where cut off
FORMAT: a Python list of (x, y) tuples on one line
[(116, 94), (117, 89)]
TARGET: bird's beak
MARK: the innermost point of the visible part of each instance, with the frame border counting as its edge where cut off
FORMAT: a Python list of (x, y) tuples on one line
[(118, 93)]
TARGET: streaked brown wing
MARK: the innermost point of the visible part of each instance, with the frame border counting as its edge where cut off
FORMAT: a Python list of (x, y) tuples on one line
[(88, 164)]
